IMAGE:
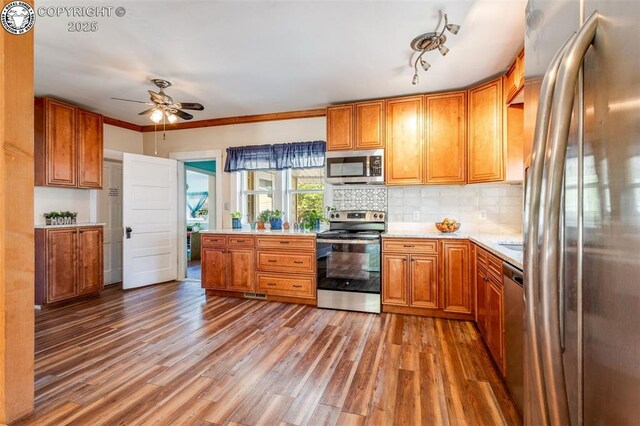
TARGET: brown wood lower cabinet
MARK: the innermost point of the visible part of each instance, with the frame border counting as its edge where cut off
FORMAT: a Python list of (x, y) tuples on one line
[(427, 277), (69, 263), (489, 304), (278, 266)]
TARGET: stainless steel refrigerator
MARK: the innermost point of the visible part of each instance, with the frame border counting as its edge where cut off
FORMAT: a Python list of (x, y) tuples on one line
[(582, 212)]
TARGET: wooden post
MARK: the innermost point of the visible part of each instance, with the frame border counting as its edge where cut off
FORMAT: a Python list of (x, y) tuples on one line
[(16, 225)]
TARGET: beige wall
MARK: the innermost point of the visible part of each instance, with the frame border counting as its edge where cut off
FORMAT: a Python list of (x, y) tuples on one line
[(48, 199), (222, 137), (123, 140)]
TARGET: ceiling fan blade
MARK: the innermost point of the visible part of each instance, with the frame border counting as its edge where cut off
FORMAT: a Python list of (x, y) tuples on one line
[(190, 105), (148, 111), (183, 115), (131, 100)]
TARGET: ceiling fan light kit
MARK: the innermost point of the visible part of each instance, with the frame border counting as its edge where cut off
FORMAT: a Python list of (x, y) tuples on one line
[(430, 41), (163, 107)]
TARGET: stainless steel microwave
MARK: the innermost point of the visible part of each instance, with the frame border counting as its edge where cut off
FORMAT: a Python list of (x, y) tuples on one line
[(355, 167)]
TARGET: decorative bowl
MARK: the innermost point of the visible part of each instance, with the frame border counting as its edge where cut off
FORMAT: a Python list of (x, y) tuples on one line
[(446, 230)]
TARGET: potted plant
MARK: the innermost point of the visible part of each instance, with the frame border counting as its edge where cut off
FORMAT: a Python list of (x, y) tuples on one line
[(264, 217), (235, 220), (276, 219), (311, 220)]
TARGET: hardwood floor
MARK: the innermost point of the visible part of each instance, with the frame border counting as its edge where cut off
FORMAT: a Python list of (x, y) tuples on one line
[(169, 355)]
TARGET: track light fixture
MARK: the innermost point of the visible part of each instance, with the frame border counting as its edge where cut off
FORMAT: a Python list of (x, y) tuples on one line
[(431, 41)]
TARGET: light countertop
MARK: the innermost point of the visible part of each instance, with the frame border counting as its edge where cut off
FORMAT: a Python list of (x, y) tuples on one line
[(75, 225), (489, 242), (247, 231)]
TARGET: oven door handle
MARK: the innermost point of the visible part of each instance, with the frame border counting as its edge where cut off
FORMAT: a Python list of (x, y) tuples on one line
[(337, 241)]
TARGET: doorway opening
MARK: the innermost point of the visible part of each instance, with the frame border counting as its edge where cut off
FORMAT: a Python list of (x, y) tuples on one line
[(200, 212), (109, 212)]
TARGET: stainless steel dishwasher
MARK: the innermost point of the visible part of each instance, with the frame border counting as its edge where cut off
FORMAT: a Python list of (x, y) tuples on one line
[(514, 331)]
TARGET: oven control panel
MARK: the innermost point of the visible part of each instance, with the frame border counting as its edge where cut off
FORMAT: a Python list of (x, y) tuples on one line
[(357, 216)]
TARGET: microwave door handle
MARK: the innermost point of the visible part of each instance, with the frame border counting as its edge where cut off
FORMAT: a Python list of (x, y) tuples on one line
[(551, 351), (533, 188)]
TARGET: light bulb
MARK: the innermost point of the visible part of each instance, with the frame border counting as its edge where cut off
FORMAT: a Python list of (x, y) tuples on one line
[(172, 118), (425, 65), (443, 49), (453, 28), (415, 79), (156, 116)]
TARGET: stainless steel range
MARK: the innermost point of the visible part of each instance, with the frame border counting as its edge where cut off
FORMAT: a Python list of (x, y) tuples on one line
[(349, 261)]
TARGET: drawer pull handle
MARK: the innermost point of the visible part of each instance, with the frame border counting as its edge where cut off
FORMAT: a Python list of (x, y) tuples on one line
[(272, 261), (299, 262), (409, 245), (272, 284), (297, 286), (241, 241), (285, 242)]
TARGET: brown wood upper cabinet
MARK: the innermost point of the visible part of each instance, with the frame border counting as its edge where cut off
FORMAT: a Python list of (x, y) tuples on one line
[(486, 151), (404, 160), (355, 126), (514, 78), (68, 145), (69, 263), (446, 137), (340, 128)]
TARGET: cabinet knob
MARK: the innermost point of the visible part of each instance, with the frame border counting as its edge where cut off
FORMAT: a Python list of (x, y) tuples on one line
[(404, 259)]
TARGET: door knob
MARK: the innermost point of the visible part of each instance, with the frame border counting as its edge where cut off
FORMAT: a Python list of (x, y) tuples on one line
[(128, 232)]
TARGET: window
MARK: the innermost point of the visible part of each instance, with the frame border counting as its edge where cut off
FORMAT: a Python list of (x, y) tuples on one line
[(305, 192), (258, 191), (290, 191)]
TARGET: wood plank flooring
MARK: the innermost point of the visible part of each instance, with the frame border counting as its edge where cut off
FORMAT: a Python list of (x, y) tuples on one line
[(168, 354)]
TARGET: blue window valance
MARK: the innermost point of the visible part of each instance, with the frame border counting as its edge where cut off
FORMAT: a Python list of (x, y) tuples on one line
[(295, 155)]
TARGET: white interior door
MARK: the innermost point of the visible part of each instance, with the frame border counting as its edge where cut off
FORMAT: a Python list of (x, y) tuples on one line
[(150, 220), (110, 213)]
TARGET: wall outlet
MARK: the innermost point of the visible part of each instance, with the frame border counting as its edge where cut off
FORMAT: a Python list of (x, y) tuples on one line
[(482, 215), (416, 216)]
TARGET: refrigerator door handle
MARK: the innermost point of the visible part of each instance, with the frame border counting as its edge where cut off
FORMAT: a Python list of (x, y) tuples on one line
[(535, 410), (550, 340)]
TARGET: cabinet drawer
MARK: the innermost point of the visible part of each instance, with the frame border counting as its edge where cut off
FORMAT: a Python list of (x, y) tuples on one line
[(495, 268), (286, 243), (213, 240), (482, 257), (286, 262), (286, 286), (409, 246), (235, 241)]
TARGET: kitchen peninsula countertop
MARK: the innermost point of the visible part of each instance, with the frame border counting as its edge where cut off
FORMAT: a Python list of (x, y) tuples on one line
[(74, 225), (488, 242)]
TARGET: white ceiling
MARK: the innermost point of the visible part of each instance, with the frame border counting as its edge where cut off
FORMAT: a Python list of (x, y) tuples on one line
[(253, 57)]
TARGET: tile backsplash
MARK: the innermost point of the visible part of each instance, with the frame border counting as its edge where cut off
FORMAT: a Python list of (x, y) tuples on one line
[(360, 198), (486, 208)]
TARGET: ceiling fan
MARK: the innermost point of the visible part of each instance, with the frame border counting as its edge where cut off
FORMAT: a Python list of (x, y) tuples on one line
[(163, 106)]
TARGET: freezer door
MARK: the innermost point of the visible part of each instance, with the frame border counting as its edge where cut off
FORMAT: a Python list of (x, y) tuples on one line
[(611, 204)]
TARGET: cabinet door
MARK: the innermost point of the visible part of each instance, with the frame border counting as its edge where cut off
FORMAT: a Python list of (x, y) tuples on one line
[(90, 260), (61, 264), (241, 270), (446, 138), (395, 279), (61, 159), (424, 281), (481, 300), (340, 128), (213, 264), (89, 150), (496, 326), (404, 153), (369, 123), (486, 162), (456, 277)]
